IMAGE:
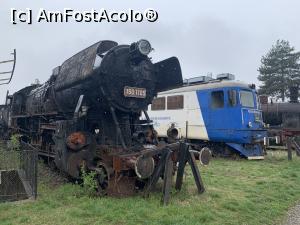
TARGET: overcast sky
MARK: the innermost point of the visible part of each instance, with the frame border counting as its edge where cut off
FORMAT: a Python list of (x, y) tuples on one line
[(207, 36)]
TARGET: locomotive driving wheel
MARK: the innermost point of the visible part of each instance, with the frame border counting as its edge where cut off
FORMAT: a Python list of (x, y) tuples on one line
[(102, 178)]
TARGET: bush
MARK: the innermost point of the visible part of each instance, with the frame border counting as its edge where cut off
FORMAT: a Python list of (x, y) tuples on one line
[(89, 182), (15, 142)]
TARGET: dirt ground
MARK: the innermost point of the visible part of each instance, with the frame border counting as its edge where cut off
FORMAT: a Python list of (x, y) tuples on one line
[(52, 178)]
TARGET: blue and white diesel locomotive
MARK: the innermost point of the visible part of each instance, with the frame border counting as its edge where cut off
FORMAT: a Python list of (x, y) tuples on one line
[(221, 114)]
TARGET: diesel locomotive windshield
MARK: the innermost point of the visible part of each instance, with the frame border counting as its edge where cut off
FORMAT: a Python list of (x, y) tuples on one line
[(246, 98)]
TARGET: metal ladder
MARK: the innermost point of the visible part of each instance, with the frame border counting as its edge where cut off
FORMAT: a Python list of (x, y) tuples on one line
[(7, 79)]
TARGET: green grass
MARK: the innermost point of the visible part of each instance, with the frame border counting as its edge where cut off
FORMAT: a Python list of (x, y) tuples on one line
[(237, 192), (9, 159)]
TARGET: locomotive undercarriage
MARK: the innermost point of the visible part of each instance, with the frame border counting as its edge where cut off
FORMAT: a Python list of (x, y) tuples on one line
[(123, 164)]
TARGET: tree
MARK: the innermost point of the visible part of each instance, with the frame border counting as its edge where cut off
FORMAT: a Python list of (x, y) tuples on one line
[(279, 70)]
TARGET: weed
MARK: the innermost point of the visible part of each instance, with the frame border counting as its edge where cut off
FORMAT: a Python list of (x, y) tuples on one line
[(89, 182)]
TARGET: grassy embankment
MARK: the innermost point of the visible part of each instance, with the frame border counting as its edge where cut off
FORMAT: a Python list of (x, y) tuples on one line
[(237, 192)]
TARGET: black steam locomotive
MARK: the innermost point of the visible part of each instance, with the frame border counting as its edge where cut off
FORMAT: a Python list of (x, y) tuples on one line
[(283, 119), (88, 113)]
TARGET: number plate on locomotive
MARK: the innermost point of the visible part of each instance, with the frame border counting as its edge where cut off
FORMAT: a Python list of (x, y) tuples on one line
[(134, 92)]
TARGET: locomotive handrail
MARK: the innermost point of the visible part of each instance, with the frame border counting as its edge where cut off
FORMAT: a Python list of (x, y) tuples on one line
[(8, 80)]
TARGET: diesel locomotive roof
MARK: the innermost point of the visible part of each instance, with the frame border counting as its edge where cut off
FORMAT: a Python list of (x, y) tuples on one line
[(208, 85)]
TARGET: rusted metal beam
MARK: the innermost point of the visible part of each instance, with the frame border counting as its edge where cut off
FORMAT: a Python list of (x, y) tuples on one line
[(117, 125)]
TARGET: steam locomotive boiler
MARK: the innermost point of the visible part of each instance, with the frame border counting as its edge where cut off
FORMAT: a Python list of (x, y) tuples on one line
[(87, 113), (283, 119)]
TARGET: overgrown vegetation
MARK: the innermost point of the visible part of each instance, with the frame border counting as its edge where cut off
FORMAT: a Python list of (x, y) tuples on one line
[(9, 154), (237, 192), (15, 142), (89, 182)]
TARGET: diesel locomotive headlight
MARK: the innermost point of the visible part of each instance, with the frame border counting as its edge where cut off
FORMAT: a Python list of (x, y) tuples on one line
[(144, 47)]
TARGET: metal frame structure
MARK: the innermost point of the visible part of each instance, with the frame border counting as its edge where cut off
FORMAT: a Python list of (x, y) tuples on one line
[(7, 80), (164, 168)]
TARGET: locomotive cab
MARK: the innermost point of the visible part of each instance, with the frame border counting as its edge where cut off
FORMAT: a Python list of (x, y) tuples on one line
[(235, 108)]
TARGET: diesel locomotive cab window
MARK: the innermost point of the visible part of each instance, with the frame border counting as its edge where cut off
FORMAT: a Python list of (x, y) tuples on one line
[(247, 99), (158, 104), (232, 98), (217, 99), (175, 102), (258, 105)]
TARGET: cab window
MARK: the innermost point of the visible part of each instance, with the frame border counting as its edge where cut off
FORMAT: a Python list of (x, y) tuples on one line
[(257, 101), (175, 102), (232, 96), (158, 104), (217, 99), (247, 99)]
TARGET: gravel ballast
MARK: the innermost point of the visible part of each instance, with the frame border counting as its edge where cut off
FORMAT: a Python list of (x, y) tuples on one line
[(293, 216)]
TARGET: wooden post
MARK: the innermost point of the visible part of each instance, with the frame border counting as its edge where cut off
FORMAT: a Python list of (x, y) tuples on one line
[(167, 179), (289, 148), (196, 173), (183, 151), (186, 130)]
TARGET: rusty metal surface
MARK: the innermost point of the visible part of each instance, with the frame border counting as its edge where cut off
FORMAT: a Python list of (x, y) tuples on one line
[(79, 67), (88, 114), (121, 186), (76, 140)]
